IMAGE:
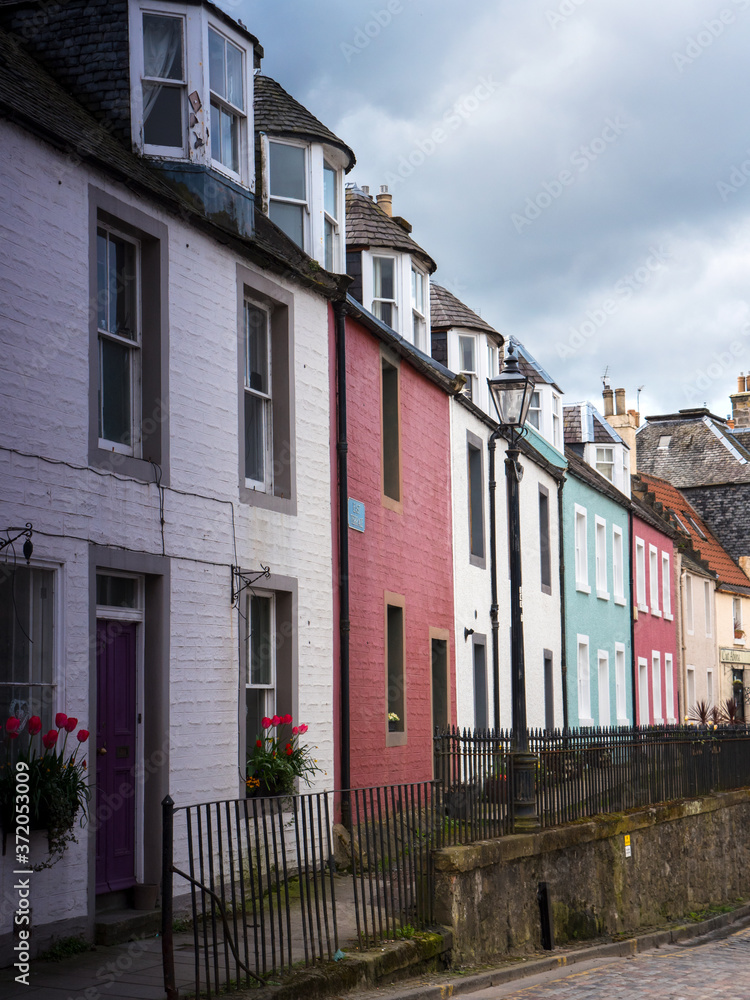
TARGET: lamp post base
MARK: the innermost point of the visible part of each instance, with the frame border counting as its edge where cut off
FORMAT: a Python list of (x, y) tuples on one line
[(525, 818)]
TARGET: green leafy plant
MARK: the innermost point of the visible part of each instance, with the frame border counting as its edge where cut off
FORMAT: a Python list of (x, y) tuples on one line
[(276, 761), (57, 787)]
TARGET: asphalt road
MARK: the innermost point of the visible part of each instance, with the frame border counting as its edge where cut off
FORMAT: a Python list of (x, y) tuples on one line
[(717, 970)]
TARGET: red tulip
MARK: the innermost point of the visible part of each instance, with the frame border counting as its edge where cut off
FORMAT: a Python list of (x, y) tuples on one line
[(266, 722), (286, 720), (259, 743), (13, 736), (276, 720), (60, 720), (289, 750), (49, 739), (303, 728), (71, 724), (295, 730), (13, 724), (83, 735), (35, 725)]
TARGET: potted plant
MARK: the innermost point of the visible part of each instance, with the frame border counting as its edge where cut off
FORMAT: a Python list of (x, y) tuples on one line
[(738, 633), (393, 721), (58, 790), (276, 762)]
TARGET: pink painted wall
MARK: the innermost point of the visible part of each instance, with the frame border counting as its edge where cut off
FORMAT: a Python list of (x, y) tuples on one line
[(654, 632), (407, 553)]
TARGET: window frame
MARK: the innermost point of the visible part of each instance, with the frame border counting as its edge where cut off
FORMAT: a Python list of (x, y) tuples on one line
[(583, 677), (152, 149), (471, 375), (537, 410), (420, 341), (400, 737), (545, 542), (689, 687), (479, 641), (640, 574), (475, 452), (439, 635), (557, 436), (304, 204), (653, 574), (224, 104), (666, 586), (392, 439), (618, 565), (600, 546), (689, 605), (643, 695), (334, 222), (264, 485), (708, 609), (603, 695), (621, 702), (262, 292), (377, 301), (580, 517), (153, 279), (599, 462), (656, 687), (670, 715), (250, 595)]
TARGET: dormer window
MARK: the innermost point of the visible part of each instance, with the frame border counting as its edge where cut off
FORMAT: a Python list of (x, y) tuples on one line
[(467, 354), (557, 435), (331, 216), (164, 84), (227, 100), (535, 410), (419, 321), (288, 189), (384, 290), (605, 463)]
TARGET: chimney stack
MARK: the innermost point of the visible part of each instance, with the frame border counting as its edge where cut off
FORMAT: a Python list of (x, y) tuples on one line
[(625, 422), (741, 402), (608, 408), (620, 402), (385, 200)]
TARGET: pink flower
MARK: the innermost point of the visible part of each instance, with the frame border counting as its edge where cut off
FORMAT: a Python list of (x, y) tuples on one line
[(49, 739), (295, 730), (60, 720), (303, 729), (266, 722), (35, 725), (71, 724), (13, 724), (286, 720), (13, 736), (83, 735), (276, 720)]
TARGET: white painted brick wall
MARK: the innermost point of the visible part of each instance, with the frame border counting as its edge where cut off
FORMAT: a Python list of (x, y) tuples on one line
[(44, 378)]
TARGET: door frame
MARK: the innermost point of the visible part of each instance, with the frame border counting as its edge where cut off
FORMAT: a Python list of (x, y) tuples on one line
[(133, 616)]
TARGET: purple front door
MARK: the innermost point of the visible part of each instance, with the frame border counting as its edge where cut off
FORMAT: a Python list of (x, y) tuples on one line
[(115, 755)]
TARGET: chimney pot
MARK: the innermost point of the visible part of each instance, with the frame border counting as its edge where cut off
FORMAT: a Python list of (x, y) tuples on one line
[(620, 401), (366, 189), (607, 393), (385, 200), (741, 382)]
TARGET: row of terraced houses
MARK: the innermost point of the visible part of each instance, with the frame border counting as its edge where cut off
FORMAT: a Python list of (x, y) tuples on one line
[(250, 434)]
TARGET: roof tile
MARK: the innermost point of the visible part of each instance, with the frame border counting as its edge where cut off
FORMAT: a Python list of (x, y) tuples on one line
[(367, 225)]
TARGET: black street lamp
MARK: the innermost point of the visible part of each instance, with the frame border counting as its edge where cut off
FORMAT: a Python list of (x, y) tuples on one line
[(511, 392)]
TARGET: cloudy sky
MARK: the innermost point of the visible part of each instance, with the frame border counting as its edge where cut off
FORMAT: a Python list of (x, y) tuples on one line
[(577, 168)]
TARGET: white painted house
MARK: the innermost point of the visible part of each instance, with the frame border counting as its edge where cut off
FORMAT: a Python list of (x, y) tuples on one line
[(164, 423)]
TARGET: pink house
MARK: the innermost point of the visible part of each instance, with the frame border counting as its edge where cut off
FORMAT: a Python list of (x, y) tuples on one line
[(655, 649), (400, 657)]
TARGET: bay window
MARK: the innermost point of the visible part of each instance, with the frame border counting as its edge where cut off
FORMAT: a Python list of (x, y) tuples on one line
[(330, 217), (225, 68), (288, 189), (605, 463), (164, 83), (384, 290), (535, 410), (419, 322), (467, 362)]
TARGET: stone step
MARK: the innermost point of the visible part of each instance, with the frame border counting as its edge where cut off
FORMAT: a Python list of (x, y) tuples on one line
[(119, 926)]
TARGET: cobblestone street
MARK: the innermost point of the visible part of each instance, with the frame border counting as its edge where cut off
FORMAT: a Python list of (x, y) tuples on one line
[(717, 970)]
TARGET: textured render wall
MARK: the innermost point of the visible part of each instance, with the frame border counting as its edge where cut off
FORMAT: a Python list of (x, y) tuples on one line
[(604, 622), (405, 553), (700, 650), (486, 892), (723, 631), (44, 411), (656, 633)]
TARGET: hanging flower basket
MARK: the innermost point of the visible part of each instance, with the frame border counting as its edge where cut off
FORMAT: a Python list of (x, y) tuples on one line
[(57, 790)]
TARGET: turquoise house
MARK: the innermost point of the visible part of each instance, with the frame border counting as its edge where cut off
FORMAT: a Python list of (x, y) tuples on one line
[(596, 546)]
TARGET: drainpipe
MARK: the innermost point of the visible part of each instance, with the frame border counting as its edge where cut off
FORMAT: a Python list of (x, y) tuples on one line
[(342, 448), (633, 663), (563, 637), (493, 582)]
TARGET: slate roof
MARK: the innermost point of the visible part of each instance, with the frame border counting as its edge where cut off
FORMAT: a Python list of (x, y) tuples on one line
[(726, 508), (583, 424), (32, 99), (692, 526), (278, 113), (367, 225), (530, 367), (447, 311), (702, 450)]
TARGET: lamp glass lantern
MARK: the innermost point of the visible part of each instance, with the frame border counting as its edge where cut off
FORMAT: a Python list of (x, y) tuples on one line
[(511, 392)]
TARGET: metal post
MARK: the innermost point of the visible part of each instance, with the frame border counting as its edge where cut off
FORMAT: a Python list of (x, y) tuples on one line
[(524, 798), (167, 861), (493, 583)]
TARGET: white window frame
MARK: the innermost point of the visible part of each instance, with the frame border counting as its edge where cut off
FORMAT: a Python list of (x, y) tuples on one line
[(537, 410), (666, 587), (270, 689), (266, 484), (604, 449), (643, 698), (583, 670), (689, 688), (580, 534), (653, 574), (135, 353), (222, 102), (330, 220), (304, 203), (600, 544), (709, 686), (656, 686), (669, 713), (618, 565), (640, 574), (557, 437), (621, 685), (395, 300), (707, 602), (139, 78), (737, 619), (689, 605), (470, 374), (419, 319), (602, 678)]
